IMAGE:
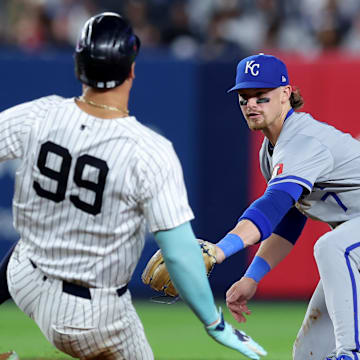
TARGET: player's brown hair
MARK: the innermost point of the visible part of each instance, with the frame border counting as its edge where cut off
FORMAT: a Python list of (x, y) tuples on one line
[(296, 100)]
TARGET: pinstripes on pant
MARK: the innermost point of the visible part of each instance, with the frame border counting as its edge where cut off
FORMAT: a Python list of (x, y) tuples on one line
[(105, 327)]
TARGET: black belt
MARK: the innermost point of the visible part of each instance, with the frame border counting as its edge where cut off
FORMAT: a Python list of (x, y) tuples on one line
[(79, 290)]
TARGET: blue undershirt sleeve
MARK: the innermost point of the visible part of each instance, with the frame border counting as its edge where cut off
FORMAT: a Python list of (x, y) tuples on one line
[(267, 211), (291, 225), (184, 261)]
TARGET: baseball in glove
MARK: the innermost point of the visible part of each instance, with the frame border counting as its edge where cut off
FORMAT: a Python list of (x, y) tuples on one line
[(157, 277)]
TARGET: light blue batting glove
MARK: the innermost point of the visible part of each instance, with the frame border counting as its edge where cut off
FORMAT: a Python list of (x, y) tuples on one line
[(235, 339)]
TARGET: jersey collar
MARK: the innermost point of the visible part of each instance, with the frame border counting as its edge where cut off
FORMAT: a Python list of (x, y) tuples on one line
[(270, 147), (290, 112)]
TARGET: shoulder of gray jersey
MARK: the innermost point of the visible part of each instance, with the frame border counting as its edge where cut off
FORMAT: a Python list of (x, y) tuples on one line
[(306, 144), (301, 123), (300, 128)]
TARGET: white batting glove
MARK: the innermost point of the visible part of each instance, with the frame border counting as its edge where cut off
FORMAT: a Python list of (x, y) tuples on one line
[(235, 339)]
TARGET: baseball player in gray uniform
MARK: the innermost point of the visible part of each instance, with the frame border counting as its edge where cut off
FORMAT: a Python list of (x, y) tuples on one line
[(312, 170), (91, 178)]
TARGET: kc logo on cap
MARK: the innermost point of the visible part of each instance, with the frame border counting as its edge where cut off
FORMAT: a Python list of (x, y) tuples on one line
[(252, 66), (260, 72)]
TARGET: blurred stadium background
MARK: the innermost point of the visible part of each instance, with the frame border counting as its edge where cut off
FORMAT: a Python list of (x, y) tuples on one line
[(190, 49)]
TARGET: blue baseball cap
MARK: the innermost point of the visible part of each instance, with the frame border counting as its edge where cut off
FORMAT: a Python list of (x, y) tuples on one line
[(260, 71)]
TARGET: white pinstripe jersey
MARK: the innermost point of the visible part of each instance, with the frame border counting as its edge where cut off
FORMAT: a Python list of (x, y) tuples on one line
[(322, 159), (86, 188)]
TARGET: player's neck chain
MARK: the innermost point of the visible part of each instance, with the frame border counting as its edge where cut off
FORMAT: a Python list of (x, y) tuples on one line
[(102, 106)]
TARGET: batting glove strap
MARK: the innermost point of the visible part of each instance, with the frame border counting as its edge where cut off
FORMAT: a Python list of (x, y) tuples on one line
[(235, 339)]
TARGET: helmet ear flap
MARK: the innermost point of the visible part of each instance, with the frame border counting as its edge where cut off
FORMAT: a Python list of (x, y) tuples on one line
[(135, 45), (131, 46)]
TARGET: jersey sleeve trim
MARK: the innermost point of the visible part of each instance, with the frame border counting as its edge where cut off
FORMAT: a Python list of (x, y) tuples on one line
[(307, 184), (293, 189)]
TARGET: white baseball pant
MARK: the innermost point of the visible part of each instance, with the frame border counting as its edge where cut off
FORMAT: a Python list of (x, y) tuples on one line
[(103, 327)]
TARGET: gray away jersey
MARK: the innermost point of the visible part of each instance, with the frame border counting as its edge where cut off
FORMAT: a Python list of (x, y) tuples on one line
[(87, 187), (322, 159)]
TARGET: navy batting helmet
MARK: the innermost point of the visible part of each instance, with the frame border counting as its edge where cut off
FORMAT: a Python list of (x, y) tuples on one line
[(105, 51)]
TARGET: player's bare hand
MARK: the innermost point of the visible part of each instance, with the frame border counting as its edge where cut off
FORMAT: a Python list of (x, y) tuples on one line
[(238, 310), (237, 297)]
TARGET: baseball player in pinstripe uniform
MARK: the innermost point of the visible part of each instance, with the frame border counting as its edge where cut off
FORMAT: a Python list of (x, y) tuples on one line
[(91, 177), (312, 170)]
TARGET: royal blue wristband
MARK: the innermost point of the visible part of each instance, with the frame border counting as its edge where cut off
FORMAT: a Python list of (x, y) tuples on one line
[(230, 244), (258, 268)]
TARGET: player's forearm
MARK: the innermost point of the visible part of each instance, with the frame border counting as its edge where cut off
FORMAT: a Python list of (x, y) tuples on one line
[(271, 252), (274, 249), (260, 219), (246, 231), (193, 285), (190, 281)]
